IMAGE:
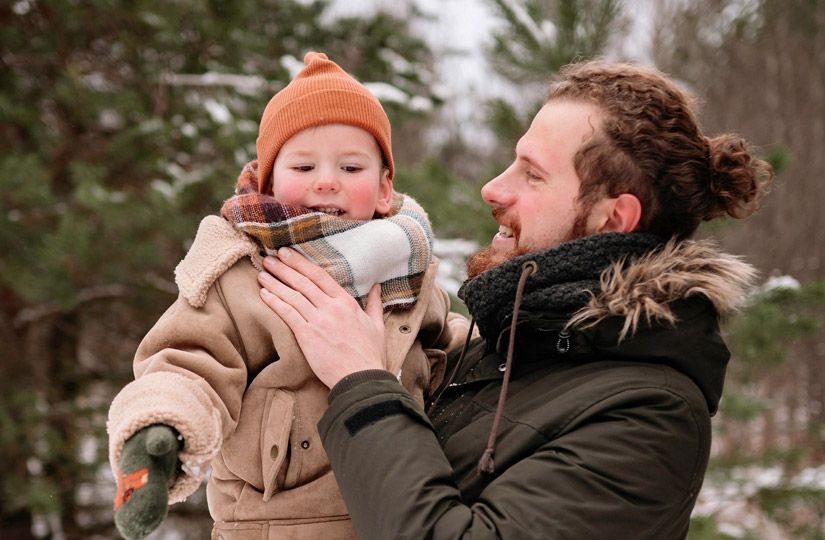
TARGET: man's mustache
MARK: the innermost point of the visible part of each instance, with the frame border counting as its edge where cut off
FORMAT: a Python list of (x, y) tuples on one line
[(502, 219)]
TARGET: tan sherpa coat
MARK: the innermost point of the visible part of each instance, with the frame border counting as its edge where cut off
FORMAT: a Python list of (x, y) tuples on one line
[(224, 371)]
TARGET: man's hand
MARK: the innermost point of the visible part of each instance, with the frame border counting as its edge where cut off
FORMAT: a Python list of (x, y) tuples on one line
[(336, 336), (145, 472)]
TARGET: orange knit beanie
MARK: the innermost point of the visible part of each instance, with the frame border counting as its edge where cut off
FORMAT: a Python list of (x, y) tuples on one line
[(322, 93)]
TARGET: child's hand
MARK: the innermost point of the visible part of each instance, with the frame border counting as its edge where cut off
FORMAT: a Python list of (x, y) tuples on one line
[(146, 470)]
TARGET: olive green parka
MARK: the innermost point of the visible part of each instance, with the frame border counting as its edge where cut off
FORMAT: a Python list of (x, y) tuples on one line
[(605, 433)]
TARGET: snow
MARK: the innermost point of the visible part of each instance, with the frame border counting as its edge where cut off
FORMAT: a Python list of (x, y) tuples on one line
[(244, 84), (23, 7), (218, 111), (292, 65), (399, 63), (110, 119), (387, 92), (420, 104), (452, 254), (102, 194), (780, 282), (34, 466), (536, 32), (732, 503), (180, 179), (189, 130)]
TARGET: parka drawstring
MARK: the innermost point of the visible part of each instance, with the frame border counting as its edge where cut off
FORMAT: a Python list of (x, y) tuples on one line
[(486, 464)]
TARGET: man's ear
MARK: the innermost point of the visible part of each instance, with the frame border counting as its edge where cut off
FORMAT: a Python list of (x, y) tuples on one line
[(384, 203), (617, 214)]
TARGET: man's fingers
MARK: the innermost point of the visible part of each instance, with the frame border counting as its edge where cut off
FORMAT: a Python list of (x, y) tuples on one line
[(298, 272), (289, 304), (375, 309), (287, 283)]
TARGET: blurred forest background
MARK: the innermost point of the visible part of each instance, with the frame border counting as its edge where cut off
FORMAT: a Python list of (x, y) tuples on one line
[(123, 123)]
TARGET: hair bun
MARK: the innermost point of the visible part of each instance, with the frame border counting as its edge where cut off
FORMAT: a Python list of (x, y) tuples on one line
[(738, 181)]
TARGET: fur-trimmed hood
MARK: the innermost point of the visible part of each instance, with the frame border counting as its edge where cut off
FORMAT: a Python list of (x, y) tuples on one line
[(644, 289), (615, 296)]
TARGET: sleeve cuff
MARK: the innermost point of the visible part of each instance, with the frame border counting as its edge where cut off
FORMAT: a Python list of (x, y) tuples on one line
[(176, 401), (359, 377)]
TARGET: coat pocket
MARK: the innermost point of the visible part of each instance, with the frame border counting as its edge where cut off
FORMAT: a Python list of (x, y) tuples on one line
[(277, 457)]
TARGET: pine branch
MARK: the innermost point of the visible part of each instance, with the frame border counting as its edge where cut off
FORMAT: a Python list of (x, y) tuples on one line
[(90, 294), (240, 83)]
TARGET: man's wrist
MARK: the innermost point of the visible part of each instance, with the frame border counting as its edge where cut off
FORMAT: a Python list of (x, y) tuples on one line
[(359, 377)]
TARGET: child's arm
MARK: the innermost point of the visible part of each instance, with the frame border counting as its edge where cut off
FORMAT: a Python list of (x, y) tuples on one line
[(191, 368), (190, 374)]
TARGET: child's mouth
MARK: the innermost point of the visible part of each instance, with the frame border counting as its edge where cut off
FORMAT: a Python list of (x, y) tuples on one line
[(328, 210)]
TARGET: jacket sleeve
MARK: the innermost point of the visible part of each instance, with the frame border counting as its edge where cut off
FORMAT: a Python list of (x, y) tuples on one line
[(603, 479), (190, 373)]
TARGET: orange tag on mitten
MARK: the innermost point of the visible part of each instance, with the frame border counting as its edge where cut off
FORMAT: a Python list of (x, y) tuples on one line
[(128, 483)]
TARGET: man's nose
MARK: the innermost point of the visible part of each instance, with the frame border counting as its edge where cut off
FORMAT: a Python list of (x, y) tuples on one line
[(498, 192)]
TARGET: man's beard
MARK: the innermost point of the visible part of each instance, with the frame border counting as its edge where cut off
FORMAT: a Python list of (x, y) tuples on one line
[(488, 257)]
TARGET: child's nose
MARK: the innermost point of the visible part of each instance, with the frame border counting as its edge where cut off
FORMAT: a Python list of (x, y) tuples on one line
[(325, 184)]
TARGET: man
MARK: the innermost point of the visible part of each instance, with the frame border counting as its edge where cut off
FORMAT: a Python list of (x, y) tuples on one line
[(583, 410)]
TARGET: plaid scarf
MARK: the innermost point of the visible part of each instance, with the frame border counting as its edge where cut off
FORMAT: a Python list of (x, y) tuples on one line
[(394, 251)]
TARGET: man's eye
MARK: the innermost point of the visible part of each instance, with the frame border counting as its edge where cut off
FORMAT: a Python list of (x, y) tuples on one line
[(532, 176)]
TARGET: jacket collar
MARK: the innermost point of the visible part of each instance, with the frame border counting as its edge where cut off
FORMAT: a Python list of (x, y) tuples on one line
[(646, 289), (662, 306), (566, 277)]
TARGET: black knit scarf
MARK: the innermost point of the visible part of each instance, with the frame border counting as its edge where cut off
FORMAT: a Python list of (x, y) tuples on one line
[(567, 276)]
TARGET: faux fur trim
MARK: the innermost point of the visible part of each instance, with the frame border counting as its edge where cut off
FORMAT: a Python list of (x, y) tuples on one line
[(217, 246), (642, 289), (177, 401)]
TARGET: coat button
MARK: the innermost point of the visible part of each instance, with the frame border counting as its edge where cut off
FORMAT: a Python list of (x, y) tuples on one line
[(304, 444), (273, 452), (405, 329)]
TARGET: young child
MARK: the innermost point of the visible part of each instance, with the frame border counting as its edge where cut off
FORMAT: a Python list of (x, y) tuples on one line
[(220, 380)]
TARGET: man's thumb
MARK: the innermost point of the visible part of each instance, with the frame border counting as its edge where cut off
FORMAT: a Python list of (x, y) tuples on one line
[(375, 309)]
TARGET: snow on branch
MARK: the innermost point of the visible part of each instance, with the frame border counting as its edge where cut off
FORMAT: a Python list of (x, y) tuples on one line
[(392, 94), (541, 35), (249, 84)]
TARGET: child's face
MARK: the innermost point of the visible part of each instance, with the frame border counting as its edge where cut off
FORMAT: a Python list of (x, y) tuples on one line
[(333, 168)]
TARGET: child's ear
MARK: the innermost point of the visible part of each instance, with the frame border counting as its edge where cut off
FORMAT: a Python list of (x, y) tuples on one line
[(382, 207)]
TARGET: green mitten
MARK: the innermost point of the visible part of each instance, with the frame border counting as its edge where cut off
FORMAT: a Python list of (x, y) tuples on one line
[(146, 470)]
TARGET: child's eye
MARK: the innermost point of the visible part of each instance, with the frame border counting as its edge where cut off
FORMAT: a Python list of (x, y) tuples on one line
[(351, 168), (303, 168)]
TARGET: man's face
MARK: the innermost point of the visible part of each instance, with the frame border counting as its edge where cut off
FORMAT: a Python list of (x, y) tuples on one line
[(534, 200)]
